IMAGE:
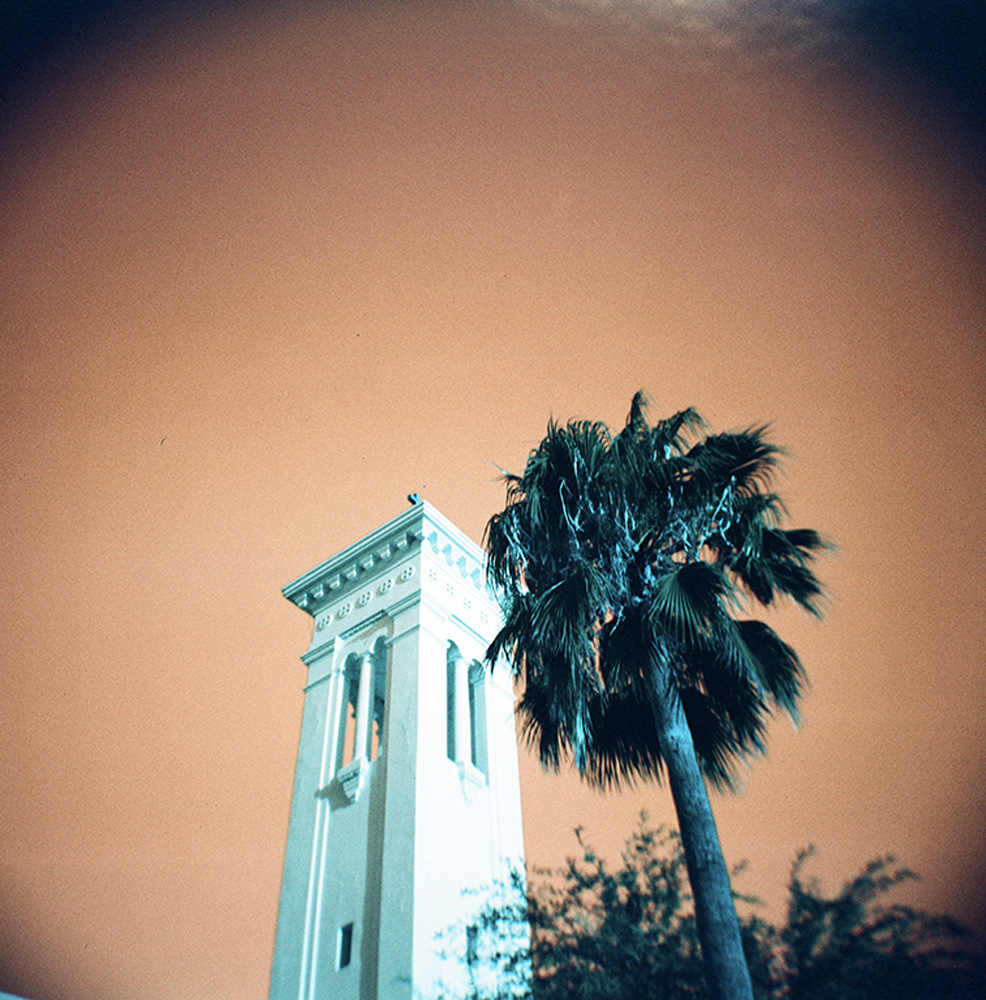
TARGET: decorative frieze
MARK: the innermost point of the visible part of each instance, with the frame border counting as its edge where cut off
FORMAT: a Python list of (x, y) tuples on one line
[(344, 573), (325, 618)]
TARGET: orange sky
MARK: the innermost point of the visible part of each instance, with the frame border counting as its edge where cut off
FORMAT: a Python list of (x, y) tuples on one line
[(264, 274)]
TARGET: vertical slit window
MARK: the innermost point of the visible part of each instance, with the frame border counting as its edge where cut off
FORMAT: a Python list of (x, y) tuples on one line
[(477, 718), (450, 700), (347, 723), (345, 945), (379, 691)]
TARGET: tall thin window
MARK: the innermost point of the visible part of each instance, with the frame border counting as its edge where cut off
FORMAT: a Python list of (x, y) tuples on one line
[(450, 701), (379, 690), (345, 945), (465, 711), (347, 722), (477, 718)]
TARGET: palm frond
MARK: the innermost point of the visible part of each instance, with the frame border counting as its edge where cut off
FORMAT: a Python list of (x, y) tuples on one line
[(779, 671), (563, 616), (686, 602), (625, 745), (726, 730), (510, 642), (558, 709), (671, 432), (777, 566), (746, 460)]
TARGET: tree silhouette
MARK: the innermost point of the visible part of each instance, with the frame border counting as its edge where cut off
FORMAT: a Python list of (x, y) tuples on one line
[(601, 932)]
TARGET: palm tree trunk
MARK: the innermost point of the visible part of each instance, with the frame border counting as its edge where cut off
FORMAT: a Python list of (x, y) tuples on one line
[(726, 971)]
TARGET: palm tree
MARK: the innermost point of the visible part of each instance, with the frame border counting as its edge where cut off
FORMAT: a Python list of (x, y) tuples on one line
[(624, 564)]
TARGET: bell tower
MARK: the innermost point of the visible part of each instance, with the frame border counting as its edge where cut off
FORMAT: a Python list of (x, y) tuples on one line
[(406, 794)]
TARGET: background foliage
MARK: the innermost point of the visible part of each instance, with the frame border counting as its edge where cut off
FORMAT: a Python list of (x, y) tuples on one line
[(602, 933)]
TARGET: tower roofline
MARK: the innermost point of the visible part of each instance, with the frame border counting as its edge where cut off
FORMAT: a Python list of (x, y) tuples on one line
[(420, 522)]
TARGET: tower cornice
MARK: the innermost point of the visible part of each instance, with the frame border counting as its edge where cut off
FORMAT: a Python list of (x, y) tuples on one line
[(345, 571)]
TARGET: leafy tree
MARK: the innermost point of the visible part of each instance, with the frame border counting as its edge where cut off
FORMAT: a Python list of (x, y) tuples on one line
[(853, 947), (595, 932), (624, 564), (601, 933)]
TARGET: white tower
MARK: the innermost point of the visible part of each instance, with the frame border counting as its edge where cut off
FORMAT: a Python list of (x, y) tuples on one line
[(406, 791)]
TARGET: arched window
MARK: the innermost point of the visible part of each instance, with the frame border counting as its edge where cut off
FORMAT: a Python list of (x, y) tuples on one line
[(362, 706), (465, 710)]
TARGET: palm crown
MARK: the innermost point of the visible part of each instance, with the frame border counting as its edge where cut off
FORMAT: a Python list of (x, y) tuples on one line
[(620, 559)]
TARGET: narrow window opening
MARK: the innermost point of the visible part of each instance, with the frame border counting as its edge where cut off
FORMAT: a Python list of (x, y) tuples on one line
[(362, 707), (375, 738), (345, 945), (379, 703), (347, 741), (477, 718), (473, 742), (453, 653), (472, 944)]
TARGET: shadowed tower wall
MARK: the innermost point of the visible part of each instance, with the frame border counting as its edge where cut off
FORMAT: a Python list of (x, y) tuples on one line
[(406, 790)]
